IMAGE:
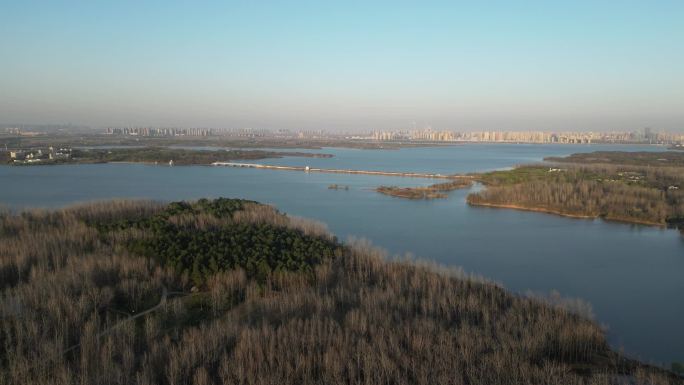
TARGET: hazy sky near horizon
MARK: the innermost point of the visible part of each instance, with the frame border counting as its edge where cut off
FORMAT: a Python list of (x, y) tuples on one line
[(552, 65)]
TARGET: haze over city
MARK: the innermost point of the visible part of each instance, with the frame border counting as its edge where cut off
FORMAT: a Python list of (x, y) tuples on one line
[(571, 66), (348, 192)]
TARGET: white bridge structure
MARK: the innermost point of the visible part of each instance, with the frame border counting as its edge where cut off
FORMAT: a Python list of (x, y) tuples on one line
[(234, 164)]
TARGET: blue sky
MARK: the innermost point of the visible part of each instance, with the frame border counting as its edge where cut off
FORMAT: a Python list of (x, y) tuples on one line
[(551, 65)]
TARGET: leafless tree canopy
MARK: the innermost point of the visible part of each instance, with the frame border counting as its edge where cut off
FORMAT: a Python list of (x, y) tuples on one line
[(643, 194), (79, 305)]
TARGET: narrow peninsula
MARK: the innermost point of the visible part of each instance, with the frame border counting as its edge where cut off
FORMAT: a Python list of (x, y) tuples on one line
[(433, 191), (149, 155)]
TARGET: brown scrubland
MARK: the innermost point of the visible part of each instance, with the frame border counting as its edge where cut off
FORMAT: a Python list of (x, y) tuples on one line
[(647, 194), (433, 191), (233, 292)]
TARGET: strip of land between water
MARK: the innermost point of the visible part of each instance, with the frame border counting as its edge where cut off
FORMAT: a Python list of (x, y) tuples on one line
[(341, 171)]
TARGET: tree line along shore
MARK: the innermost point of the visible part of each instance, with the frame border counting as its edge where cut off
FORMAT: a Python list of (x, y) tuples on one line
[(232, 291), (94, 140), (152, 155), (636, 187)]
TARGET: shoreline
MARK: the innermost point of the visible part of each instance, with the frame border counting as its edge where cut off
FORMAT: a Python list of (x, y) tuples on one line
[(435, 191), (563, 214)]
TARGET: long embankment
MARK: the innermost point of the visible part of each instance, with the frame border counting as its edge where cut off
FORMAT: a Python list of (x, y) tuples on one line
[(340, 171)]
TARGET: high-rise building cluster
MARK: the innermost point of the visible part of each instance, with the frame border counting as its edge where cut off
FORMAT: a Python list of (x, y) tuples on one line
[(647, 136), (528, 137), (424, 135), (152, 131), (243, 132)]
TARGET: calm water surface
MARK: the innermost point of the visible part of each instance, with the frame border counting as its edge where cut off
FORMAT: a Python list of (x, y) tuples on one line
[(632, 275)]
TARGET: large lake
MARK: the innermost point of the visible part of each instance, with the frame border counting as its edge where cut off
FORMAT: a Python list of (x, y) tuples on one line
[(632, 275)]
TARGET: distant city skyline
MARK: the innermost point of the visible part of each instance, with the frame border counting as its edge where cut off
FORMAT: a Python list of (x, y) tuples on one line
[(74, 128), (349, 66), (424, 134)]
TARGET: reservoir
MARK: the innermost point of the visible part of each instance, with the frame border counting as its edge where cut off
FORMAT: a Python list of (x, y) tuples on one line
[(633, 276)]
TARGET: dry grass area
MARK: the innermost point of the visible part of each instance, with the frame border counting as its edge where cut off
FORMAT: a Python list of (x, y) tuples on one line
[(72, 286)]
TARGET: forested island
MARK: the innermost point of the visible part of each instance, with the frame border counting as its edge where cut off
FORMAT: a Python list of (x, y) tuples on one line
[(232, 291), (433, 191), (153, 155), (636, 187)]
